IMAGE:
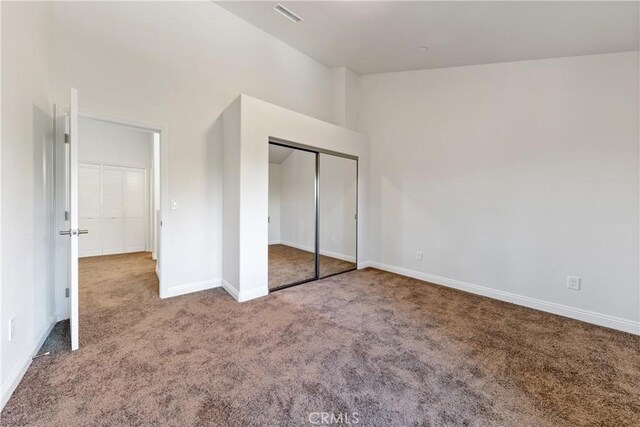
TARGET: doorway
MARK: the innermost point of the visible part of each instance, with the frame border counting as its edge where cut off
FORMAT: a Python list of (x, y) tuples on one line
[(313, 199), (121, 183), (116, 189)]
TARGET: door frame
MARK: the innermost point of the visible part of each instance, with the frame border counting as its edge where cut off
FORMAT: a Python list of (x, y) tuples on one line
[(163, 131)]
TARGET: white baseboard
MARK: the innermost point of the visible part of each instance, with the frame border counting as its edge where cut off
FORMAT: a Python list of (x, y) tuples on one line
[(336, 255), (367, 264), (135, 249), (231, 289), (188, 288), (588, 316), (331, 254), (61, 315), (243, 296), (158, 270), (298, 246), (15, 376), (112, 252), (94, 252), (275, 242), (253, 294)]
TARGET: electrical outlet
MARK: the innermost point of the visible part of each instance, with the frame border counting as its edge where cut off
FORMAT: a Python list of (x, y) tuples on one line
[(12, 328), (419, 256), (573, 282)]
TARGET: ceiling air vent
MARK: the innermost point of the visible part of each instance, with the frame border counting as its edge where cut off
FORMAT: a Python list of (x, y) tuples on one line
[(287, 13)]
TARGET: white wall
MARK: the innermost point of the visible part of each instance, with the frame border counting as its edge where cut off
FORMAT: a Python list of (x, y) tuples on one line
[(27, 183), (511, 177), (231, 192), (344, 97), (338, 95), (111, 144), (179, 65), (274, 203)]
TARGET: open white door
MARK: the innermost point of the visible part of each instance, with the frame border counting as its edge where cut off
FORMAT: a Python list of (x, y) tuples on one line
[(73, 232)]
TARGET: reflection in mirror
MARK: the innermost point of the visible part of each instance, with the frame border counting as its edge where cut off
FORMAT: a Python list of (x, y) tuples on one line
[(292, 216), (338, 214)]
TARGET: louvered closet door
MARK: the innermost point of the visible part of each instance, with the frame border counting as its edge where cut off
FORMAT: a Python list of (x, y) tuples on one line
[(135, 223), (113, 210), (89, 210)]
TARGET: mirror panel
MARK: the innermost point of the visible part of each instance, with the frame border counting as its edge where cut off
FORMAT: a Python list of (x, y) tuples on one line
[(292, 216), (337, 214)]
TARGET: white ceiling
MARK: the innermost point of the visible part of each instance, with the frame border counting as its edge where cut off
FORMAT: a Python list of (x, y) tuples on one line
[(278, 154), (376, 37)]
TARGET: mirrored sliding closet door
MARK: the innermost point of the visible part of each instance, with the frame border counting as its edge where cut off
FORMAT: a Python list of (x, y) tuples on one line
[(292, 216), (338, 214), (313, 199)]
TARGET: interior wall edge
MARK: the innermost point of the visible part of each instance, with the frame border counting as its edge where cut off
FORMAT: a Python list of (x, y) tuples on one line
[(15, 376), (587, 316)]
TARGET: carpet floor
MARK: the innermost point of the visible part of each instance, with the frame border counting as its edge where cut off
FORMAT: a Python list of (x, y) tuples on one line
[(394, 350), (290, 265)]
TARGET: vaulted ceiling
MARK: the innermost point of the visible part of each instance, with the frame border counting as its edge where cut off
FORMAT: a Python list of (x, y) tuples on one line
[(376, 37)]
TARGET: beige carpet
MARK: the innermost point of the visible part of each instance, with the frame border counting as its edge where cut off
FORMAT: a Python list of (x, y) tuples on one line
[(290, 265), (395, 350)]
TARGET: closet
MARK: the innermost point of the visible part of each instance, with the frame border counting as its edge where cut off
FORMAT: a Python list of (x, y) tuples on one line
[(313, 217), (113, 206)]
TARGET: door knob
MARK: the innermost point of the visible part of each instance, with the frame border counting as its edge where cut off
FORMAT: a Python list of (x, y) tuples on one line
[(83, 231)]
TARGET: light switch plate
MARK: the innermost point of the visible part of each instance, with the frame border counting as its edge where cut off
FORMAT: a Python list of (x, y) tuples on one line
[(174, 204)]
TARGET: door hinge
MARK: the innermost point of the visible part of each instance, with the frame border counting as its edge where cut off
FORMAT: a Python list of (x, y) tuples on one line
[(66, 292), (66, 215), (66, 138)]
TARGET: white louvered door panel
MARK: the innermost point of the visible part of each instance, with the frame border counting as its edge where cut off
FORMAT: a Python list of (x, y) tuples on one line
[(135, 218), (113, 210), (89, 187)]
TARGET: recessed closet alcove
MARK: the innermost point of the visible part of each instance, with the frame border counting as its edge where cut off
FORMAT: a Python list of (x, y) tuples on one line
[(250, 127)]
